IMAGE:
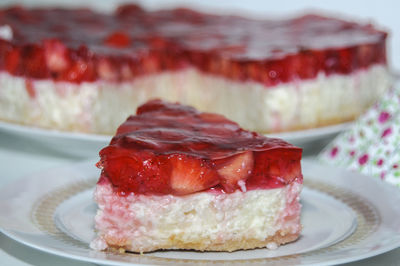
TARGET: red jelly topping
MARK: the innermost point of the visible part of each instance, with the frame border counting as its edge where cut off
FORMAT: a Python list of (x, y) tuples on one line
[(80, 45), (174, 149)]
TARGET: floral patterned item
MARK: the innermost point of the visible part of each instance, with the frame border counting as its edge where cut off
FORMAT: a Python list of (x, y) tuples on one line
[(372, 145)]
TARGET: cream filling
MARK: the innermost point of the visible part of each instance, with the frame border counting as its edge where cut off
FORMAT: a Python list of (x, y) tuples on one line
[(146, 222), (100, 107)]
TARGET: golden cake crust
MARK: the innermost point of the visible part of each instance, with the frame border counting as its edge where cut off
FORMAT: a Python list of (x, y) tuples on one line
[(175, 243)]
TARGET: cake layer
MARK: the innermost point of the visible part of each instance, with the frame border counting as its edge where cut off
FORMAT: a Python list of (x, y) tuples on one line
[(99, 107), (89, 71), (85, 46), (210, 220)]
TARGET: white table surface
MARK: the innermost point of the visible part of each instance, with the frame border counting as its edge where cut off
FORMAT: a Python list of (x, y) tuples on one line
[(19, 157)]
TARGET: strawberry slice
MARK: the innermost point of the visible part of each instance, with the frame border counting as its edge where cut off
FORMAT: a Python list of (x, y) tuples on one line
[(118, 39), (13, 60), (276, 168), (157, 42), (106, 70), (140, 172), (34, 61), (190, 175), (128, 10), (56, 55), (151, 63), (285, 171), (365, 54), (79, 71), (235, 169)]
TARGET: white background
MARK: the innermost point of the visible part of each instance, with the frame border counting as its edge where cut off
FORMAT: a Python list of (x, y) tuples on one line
[(385, 13)]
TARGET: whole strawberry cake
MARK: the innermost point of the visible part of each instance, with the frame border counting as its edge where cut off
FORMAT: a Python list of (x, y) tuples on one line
[(78, 70), (175, 178)]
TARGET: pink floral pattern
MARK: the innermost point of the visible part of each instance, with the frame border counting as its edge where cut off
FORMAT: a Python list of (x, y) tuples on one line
[(383, 117), (372, 145)]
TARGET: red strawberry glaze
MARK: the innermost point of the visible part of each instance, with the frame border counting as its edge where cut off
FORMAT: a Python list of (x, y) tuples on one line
[(174, 149), (134, 42)]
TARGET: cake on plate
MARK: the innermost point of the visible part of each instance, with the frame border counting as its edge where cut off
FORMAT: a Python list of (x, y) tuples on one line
[(79, 70), (176, 178)]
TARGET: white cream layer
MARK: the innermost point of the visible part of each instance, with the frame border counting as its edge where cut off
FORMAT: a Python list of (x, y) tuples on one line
[(100, 107), (145, 222)]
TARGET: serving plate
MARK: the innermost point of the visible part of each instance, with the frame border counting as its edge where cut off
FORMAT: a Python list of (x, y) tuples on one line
[(88, 145), (53, 211)]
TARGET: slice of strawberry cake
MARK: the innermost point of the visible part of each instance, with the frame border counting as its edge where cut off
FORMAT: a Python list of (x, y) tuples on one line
[(80, 70), (176, 178)]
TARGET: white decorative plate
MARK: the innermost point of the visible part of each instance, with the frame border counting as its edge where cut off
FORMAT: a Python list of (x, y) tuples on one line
[(88, 145), (70, 143), (309, 136), (346, 217)]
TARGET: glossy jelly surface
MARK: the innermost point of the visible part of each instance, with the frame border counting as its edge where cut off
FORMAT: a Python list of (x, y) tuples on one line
[(79, 45), (174, 149)]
